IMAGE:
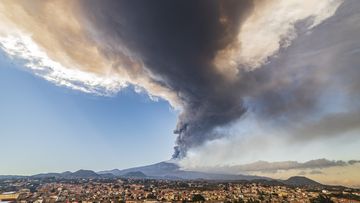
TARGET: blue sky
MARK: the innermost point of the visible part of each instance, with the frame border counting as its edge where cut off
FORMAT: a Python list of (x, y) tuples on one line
[(45, 127)]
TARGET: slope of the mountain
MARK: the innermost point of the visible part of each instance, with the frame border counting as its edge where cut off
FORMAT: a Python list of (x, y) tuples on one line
[(107, 175), (134, 174), (66, 173), (168, 169), (114, 172), (301, 181), (157, 169), (85, 174)]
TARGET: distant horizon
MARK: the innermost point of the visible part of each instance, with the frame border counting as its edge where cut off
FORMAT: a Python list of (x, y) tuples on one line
[(151, 177), (299, 168)]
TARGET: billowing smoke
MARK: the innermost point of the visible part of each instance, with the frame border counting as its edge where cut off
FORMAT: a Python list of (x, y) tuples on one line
[(210, 54), (303, 100), (216, 61), (177, 42)]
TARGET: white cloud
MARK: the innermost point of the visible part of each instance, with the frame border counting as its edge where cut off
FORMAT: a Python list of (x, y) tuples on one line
[(271, 26), (24, 48)]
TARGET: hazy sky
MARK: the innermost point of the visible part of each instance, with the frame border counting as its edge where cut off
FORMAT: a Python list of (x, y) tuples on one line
[(119, 83)]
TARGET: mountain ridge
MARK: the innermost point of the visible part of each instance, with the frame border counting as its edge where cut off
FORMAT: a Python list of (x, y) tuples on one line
[(172, 171), (301, 181), (67, 174), (168, 170)]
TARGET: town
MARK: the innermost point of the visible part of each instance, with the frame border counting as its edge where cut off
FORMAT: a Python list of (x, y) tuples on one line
[(154, 190)]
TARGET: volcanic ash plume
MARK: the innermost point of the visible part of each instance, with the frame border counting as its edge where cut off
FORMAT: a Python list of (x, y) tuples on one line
[(206, 57)]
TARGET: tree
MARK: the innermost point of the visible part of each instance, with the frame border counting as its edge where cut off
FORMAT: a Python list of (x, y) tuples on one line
[(322, 199), (240, 200), (198, 198), (251, 200), (151, 196)]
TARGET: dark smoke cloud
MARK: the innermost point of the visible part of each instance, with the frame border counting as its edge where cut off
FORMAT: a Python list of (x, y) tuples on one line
[(177, 41), (317, 80)]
